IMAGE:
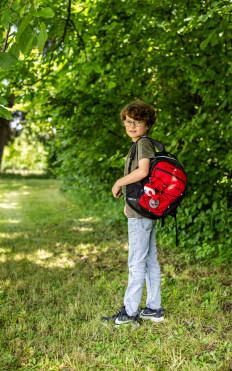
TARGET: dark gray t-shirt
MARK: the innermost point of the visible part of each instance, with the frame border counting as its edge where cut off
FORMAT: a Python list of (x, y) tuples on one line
[(145, 149)]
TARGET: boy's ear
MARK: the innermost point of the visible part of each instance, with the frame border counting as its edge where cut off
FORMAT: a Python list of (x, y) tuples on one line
[(149, 128)]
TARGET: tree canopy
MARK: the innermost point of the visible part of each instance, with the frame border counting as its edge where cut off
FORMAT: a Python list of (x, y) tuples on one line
[(71, 67)]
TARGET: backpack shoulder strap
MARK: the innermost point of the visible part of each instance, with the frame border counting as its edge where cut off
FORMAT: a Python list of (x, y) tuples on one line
[(157, 144), (132, 155)]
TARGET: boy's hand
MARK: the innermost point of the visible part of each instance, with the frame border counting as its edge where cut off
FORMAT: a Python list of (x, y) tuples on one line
[(125, 210), (116, 190)]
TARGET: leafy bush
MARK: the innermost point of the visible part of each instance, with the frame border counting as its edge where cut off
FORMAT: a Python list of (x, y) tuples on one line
[(25, 153)]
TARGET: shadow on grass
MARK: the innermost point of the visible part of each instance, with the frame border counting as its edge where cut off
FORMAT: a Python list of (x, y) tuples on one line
[(66, 243), (26, 175), (62, 267), (40, 223), (54, 235)]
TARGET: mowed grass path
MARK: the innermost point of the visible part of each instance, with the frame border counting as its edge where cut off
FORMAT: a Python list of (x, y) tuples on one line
[(62, 269)]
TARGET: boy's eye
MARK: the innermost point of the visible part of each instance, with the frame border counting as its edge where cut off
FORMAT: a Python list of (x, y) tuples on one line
[(129, 123)]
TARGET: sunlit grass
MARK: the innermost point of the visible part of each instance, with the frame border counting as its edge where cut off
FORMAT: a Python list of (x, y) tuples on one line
[(9, 221), (63, 268), (12, 205)]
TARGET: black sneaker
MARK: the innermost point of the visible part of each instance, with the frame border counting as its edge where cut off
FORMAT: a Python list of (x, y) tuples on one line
[(155, 315), (121, 318)]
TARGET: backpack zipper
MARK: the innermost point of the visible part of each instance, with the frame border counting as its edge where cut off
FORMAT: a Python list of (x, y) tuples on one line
[(167, 172)]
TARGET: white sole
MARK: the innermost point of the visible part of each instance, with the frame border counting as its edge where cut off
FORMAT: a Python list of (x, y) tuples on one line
[(153, 319)]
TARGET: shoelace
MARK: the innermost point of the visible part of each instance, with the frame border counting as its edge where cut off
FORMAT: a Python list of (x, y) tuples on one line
[(161, 310), (122, 311)]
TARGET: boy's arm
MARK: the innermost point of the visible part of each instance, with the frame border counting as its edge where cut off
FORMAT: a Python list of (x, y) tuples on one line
[(133, 177)]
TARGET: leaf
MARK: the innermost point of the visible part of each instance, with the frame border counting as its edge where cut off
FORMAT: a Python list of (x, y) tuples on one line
[(6, 19), (6, 13), (42, 37), (204, 43), (15, 5), (7, 60), (5, 113), (23, 25), (111, 85), (213, 172), (26, 40), (31, 43), (97, 68), (15, 50), (214, 206), (3, 101), (45, 13)]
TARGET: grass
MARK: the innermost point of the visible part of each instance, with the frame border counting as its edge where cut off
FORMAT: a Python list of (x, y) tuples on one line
[(62, 268)]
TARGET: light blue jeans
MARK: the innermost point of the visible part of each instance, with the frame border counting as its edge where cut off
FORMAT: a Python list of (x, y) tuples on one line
[(143, 264)]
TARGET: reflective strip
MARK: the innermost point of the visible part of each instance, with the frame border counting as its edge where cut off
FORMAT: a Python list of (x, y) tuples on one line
[(170, 158), (117, 322)]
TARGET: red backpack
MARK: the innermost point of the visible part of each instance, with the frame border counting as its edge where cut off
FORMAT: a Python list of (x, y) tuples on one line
[(160, 193)]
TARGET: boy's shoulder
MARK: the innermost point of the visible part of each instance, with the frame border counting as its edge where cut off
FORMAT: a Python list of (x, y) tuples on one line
[(145, 142), (145, 148)]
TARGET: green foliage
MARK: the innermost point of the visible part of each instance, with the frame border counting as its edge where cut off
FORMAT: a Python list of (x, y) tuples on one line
[(7, 60), (25, 20), (23, 25), (3, 101), (19, 25), (24, 153), (45, 13), (42, 38), (97, 58), (5, 113)]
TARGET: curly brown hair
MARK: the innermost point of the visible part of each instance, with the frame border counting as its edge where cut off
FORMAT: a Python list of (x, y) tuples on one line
[(139, 111)]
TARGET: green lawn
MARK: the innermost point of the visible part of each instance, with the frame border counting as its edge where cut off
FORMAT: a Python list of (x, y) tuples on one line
[(62, 268)]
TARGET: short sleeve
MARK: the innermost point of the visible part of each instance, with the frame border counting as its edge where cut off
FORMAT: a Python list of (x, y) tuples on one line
[(145, 149)]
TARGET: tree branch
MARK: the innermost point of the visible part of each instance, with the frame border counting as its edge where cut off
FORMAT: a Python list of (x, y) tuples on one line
[(81, 40), (117, 135), (180, 36), (55, 48), (7, 32), (183, 43), (170, 11), (186, 9), (5, 3), (65, 27)]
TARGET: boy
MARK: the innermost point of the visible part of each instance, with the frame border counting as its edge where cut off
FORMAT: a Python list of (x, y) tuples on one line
[(138, 118)]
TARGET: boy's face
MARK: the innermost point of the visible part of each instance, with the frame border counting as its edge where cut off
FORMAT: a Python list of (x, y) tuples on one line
[(135, 131)]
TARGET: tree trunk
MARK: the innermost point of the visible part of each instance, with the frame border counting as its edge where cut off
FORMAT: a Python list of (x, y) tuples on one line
[(4, 136), (5, 130)]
